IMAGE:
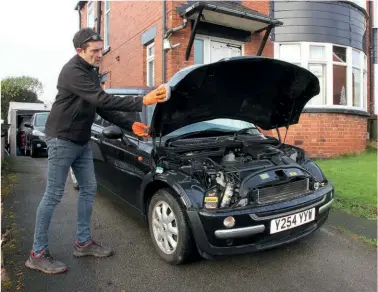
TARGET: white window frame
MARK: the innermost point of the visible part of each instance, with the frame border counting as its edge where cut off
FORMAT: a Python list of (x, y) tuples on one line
[(305, 60), (207, 45), (106, 24), (150, 58), (92, 15)]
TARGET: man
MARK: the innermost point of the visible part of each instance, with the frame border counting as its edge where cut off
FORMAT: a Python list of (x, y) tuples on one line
[(68, 131)]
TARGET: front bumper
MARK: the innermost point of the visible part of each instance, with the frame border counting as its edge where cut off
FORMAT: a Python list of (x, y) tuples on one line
[(252, 227), (39, 144)]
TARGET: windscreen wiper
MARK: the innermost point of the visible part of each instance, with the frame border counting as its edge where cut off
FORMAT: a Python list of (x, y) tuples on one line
[(183, 136), (243, 131)]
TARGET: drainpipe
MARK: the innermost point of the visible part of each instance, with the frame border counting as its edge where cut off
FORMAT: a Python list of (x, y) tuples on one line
[(99, 17), (164, 55), (172, 30), (372, 42), (79, 10)]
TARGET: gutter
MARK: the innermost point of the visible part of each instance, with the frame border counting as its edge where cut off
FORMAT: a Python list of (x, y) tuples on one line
[(164, 56), (371, 55)]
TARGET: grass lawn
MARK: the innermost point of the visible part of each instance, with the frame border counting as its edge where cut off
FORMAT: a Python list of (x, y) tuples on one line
[(355, 181)]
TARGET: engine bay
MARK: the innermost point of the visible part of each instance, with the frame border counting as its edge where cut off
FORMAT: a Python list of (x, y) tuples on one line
[(236, 175)]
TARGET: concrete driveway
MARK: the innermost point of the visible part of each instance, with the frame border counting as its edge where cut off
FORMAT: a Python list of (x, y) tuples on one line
[(327, 261)]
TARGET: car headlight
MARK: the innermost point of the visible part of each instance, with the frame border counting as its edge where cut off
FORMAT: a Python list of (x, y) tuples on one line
[(38, 133)]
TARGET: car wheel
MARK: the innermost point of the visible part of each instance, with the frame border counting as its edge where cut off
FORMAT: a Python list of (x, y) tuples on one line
[(33, 152), (74, 180), (169, 228)]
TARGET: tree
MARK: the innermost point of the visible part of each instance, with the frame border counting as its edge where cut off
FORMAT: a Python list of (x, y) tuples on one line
[(19, 89)]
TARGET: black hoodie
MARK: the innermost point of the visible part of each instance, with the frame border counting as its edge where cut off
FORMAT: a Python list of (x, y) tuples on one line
[(79, 98)]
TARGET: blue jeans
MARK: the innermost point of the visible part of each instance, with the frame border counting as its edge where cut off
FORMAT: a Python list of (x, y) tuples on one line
[(61, 156)]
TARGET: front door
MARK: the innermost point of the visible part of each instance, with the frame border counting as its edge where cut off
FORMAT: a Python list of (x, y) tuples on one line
[(119, 169), (220, 50)]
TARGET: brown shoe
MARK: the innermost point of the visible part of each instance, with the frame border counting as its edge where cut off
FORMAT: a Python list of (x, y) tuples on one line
[(91, 249), (44, 262)]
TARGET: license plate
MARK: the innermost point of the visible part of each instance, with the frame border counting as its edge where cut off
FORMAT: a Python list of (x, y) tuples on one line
[(292, 221)]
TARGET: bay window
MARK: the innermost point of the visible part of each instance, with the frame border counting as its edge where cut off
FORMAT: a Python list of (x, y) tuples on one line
[(342, 72)]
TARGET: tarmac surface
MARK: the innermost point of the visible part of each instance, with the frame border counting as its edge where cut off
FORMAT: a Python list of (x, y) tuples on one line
[(325, 261)]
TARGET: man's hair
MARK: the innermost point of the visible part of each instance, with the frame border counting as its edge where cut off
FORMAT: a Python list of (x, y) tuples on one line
[(82, 35)]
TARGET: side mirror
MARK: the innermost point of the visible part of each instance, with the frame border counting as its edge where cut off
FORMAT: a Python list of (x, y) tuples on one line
[(27, 125), (112, 132)]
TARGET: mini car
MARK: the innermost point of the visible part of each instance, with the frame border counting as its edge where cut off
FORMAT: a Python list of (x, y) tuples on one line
[(208, 181)]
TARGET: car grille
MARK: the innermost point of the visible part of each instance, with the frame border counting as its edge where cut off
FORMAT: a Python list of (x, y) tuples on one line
[(282, 192)]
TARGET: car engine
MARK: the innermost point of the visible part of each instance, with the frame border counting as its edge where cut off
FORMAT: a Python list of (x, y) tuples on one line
[(237, 176)]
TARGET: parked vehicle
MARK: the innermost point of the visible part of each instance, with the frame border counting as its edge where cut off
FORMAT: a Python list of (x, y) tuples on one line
[(20, 113), (208, 180), (35, 135)]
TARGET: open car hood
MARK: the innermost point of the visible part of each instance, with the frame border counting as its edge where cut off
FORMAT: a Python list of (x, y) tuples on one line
[(267, 92)]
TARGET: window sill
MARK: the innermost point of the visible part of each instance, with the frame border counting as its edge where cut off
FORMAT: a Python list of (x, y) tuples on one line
[(107, 50), (336, 109)]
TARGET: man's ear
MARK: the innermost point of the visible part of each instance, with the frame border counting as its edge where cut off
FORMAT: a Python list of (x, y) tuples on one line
[(79, 50)]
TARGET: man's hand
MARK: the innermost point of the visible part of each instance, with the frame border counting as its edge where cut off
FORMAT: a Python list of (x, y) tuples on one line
[(139, 129), (160, 94)]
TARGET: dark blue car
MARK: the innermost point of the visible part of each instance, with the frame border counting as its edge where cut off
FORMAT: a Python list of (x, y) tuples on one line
[(208, 180)]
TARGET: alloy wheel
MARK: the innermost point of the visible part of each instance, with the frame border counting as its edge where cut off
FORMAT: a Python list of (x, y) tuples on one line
[(165, 229)]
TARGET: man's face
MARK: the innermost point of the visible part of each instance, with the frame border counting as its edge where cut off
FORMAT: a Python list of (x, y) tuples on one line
[(93, 53)]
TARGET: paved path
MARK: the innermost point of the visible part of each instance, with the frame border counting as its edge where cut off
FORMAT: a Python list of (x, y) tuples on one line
[(328, 261)]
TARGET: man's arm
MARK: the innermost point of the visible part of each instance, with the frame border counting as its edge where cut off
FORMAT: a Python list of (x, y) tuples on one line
[(116, 118), (121, 121), (78, 82)]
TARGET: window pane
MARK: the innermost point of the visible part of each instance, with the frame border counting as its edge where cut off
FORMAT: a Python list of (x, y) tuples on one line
[(107, 34), (339, 85), (198, 52), (317, 52), (339, 54), (150, 112), (290, 52), (90, 21), (150, 51), (356, 76), (356, 59), (150, 77), (319, 71), (106, 123), (97, 120)]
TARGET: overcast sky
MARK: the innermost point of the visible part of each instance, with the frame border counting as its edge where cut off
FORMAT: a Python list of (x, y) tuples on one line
[(36, 39)]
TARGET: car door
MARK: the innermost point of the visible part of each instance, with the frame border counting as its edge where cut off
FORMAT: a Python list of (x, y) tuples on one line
[(98, 157), (120, 156)]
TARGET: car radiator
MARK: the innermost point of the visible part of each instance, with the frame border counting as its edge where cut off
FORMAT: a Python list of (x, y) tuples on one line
[(281, 192)]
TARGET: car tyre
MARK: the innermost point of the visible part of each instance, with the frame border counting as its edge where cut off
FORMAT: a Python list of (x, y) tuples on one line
[(184, 247), (33, 152)]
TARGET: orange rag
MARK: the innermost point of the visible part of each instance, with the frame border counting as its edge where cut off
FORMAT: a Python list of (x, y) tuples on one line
[(139, 129), (157, 95)]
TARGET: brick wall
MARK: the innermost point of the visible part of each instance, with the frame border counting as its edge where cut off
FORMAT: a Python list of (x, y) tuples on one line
[(320, 134), (176, 57), (126, 61), (324, 135)]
